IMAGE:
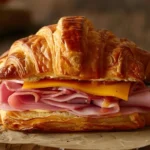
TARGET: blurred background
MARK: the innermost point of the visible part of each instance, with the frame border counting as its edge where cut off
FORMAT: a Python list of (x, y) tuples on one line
[(126, 18)]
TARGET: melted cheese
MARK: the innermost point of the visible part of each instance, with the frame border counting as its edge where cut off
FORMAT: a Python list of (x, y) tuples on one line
[(118, 89)]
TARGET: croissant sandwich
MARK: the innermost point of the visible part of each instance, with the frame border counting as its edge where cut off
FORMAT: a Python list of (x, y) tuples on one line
[(71, 77)]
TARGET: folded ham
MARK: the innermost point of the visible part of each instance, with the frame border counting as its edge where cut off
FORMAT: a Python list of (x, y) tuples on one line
[(13, 97)]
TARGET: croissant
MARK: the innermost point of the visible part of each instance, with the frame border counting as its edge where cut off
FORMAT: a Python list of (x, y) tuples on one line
[(72, 77), (74, 49)]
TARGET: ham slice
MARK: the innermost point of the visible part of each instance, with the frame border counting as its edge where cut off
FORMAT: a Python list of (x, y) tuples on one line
[(64, 105), (26, 101), (13, 97), (5, 92), (125, 110), (13, 85), (140, 98), (70, 98), (137, 87), (20, 101), (16, 98), (96, 111)]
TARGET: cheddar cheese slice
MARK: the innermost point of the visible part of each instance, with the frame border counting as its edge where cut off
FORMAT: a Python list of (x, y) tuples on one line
[(116, 89)]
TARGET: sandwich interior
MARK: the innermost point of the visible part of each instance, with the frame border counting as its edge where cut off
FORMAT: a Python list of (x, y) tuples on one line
[(68, 106)]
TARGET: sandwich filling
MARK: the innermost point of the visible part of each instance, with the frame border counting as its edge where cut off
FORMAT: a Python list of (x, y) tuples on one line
[(78, 97)]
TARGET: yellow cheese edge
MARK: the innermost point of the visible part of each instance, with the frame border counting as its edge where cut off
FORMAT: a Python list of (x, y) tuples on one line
[(117, 89)]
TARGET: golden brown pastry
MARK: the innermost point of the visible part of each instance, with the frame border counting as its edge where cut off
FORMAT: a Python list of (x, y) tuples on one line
[(72, 77), (73, 49), (65, 122)]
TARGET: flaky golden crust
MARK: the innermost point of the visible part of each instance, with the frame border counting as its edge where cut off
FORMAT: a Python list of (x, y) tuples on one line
[(66, 122), (73, 49)]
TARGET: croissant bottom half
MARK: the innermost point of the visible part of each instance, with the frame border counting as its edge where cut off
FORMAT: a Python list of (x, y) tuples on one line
[(66, 122)]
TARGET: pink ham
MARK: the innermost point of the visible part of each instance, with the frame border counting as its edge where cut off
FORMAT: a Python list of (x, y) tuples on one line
[(4, 93), (70, 98), (136, 87), (96, 111), (13, 85), (13, 97), (16, 85), (125, 110), (105, 101), (64, 105), (140, 98), (22, 100), (16, 98), (27, 102)]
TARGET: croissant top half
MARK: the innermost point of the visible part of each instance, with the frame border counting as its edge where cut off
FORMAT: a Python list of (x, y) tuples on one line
[(74, 49)]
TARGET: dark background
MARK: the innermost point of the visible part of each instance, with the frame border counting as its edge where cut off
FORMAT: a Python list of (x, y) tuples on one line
[(126, 18)]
